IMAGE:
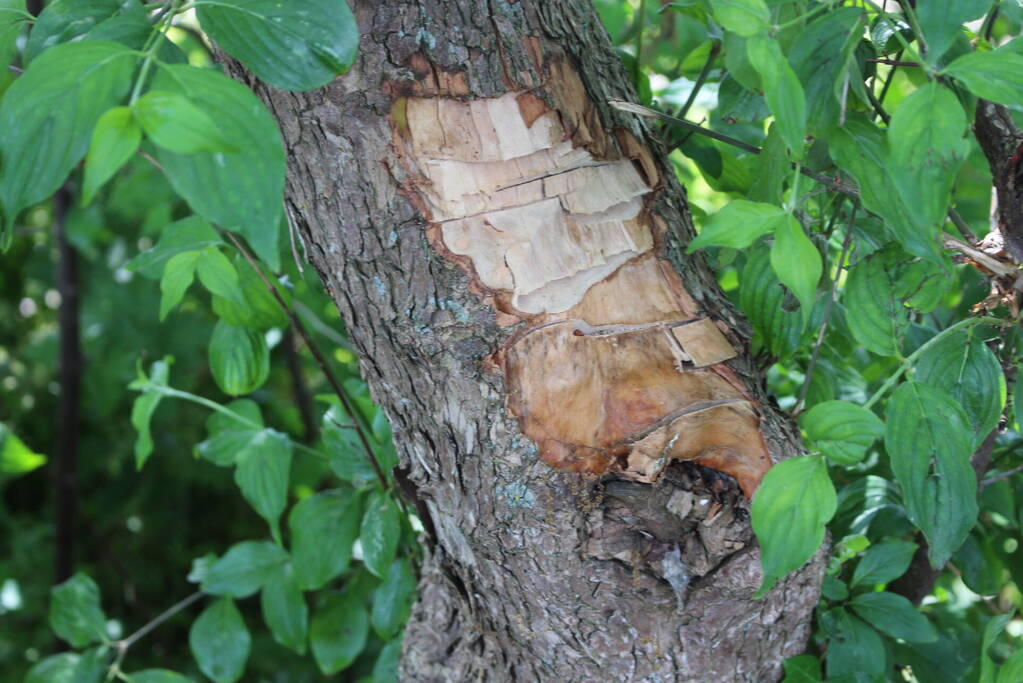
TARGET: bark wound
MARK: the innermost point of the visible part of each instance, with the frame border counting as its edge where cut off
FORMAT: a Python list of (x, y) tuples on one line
[(613, 367)]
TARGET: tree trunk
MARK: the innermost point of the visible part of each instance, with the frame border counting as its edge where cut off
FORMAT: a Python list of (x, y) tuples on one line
[(569, 392)]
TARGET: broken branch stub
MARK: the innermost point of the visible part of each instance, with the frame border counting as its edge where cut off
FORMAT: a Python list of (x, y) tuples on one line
[(614, 368)]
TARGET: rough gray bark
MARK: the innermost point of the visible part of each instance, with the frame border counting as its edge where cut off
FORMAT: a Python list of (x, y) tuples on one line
[(531, 574)]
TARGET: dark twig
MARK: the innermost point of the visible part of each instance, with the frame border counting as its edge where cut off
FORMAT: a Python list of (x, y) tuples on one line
[(298, 387), (16, 69), (346, 401), (892, 62), (715, 50), (995, 478)]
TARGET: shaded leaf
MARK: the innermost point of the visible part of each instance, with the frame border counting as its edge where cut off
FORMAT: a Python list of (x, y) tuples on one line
[(75, 612), (894, 615), (380, 532), (63, 20), (114, 140), (942, 20), (884, 562), (220, 641), (796, 262), (239, 358), (323, 527), (802, 669), (178, 274), (392, 600), (853, 647), (995, 76), (338, 631), (842, 431), (261, 472), (763, 299), (243, 569), (173, 122), (284, 608), (144, 407)]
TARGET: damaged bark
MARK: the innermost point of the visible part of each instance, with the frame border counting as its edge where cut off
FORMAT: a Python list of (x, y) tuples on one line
[(505, 249)]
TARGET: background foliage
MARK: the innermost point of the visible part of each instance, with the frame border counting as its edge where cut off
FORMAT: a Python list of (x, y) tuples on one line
[(823, 145)]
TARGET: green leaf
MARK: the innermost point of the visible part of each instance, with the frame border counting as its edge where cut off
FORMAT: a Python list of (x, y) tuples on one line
[(47, 117), (743, 17), (392, 601), (15, 457), (929, 443), (982, 568), (802, 669), (175, 123), (790, 508), (75, 613), (323, 527), (290, 45), (178, 274), (64, 20), (991, 632), (380, 532), (228, 436), (158, 676), (842, 431), (261, 472), (188, 234), (884, 562), (763, 299), (338, 631), (347, 455), (876, 317), (964, 367), (12, 20), (144, 407), (782, 89), (796, 262), (822, 58), (1012, 670), (244, 569), (995, 76), (926, 139), (941, 21), (132, 28), (219, 276), (1017, 401), (114, 140), (385, 670), (220, 642), (853, 647), (894, 615), (55, 669), (239, 359), (739, 224), (284, 609), (245, 408), (241, 191), (259, 310)]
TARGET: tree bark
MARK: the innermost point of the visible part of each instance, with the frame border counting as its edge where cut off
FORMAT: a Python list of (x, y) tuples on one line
[(507, 253)]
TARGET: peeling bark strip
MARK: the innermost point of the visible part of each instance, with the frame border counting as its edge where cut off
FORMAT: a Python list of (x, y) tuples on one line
[(615, 370), (546, 245)]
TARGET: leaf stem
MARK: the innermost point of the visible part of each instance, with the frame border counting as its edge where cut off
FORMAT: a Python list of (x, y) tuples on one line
[(125, 643), (153, 43), (909, 360), (715, 49)]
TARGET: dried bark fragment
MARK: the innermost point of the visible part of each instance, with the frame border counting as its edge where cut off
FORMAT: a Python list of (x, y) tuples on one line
[(551, 222)]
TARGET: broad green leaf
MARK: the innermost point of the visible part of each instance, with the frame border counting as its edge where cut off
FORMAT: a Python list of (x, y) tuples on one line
[(114, 140), (239, 359), (75, 612), (178, 274), (802, 669), (188, 234), (220, 642), (385, 670), (158, 676), (15, 457), (782, 89), (284, 609), (244, 569), (894, 615), (995, 76), (1012, 670), (55, 669), (834, 589), (241, 191), (737, 225), (245, 408), (877, 319), (796, 262), (853, 647), (743, 17), (822, 58), (773, 169), (13, 18), (290, 45), (884, 562), (175, 123), (338, 631), (964, 367), (942, 20), (991, 632), (47, 117), (142, 411), (861, 149), (380, 532), (64, 20), (842, 431), (929, 443), (926, 139), (259, 310), (980, 564), (261, 472), (323, 527), (790, 508), (218, 275), (201, 567), (223, 449), (131, 27), (392, 600), (763, 299)]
